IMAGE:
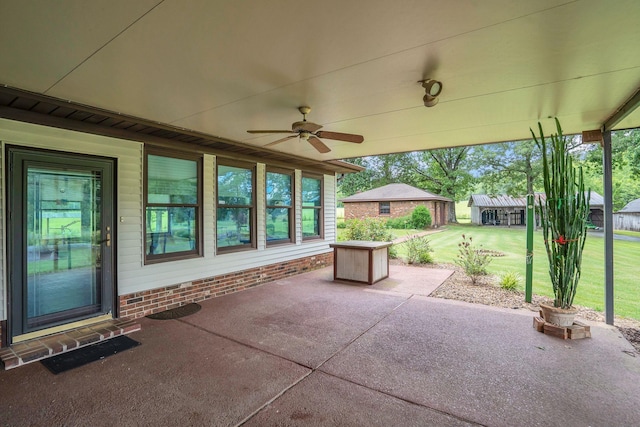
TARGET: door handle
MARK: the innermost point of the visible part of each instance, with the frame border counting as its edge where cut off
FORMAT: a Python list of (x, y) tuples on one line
[(108, 237), (107, 240)]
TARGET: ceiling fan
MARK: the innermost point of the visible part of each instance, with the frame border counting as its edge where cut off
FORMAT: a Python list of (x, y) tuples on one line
[(311, 132)]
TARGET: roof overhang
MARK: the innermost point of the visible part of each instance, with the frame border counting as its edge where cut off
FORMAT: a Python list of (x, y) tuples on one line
[(38, 109), (217, 69)]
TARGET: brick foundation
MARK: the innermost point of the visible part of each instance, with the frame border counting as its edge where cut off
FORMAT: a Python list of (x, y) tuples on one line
[(143, 303)]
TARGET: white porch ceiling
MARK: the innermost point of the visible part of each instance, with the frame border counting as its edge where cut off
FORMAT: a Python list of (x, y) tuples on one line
[(223, 67)]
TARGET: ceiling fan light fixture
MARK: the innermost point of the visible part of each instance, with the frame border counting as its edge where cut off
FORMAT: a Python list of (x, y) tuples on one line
[(432, 89)]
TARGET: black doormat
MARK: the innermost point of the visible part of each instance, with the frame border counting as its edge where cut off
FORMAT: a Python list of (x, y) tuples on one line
[(88, 354), (176, 313)]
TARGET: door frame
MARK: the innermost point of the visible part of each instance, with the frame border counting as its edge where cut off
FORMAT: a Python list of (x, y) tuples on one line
[(17, 158)]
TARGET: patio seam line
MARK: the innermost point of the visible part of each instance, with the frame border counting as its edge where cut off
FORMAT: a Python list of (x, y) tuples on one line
[(364, 332), (274, 398), (242, 343), (312, 370), (186, 322), (421, 405), (318, 368)]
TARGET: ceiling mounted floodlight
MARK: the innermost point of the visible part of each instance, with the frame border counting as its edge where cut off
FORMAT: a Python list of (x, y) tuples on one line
[(432, 89)]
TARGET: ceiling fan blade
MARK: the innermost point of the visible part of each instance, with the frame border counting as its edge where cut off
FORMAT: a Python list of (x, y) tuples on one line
[(269, 131), (305, 126), (349, 137), (318, 145), (312, 127), (281, 140)]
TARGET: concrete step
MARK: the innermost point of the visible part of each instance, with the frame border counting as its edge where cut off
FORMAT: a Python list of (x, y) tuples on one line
[(37, 349)]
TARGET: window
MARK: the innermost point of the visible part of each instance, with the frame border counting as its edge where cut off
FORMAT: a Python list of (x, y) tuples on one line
[(311, 207), (172, 206), (279, 213), (235, 222), (384, 208)]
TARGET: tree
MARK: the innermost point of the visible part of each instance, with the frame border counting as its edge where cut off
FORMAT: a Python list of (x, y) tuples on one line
[(392, 168), (512, 168), (353, 183), (625, 153), (444, 171), (380, 170)]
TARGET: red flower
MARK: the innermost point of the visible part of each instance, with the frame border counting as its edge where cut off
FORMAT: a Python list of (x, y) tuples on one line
[(561, 240)]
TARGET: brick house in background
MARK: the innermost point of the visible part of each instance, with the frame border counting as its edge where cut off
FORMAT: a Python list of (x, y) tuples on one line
[(395, 201)]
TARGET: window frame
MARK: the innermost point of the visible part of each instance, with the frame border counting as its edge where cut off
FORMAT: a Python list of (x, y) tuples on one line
[(197, 252), (320, 208), (252, 244), (384, 208), (291, 207)]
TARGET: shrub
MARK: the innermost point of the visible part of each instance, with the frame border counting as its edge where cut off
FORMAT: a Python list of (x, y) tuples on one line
[(510, 280), (400, 223), (342, 224), (425, 257), (372, 229), (393, 252), (472, 260), (418, 250), (421, 217)]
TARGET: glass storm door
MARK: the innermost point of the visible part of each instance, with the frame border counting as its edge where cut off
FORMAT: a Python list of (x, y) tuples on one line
[(60, 238)]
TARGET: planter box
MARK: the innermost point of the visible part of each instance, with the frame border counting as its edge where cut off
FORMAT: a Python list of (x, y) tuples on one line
[(576, 331)]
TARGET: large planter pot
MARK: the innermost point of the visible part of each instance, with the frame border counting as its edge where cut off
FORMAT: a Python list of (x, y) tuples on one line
[(558, 316)]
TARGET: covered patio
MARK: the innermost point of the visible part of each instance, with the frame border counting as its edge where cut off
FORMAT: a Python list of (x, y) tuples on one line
[(121, 82), (197, 77), (310, 351)]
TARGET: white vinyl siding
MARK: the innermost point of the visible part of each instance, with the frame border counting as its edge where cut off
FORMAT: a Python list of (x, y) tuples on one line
[(132, 274), (298, 206), (329, 208), (260, 206), (208, 205)]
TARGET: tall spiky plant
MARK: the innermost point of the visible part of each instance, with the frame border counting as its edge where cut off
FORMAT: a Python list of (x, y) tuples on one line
[(563, 215)]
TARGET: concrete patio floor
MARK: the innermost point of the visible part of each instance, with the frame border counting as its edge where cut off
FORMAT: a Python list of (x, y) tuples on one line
[(310, 351)]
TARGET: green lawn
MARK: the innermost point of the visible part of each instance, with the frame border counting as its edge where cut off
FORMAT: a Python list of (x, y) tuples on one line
[(627, 233)]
